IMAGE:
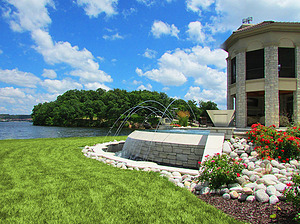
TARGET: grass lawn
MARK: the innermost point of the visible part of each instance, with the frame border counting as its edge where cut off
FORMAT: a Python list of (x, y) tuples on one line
[(50, 181)]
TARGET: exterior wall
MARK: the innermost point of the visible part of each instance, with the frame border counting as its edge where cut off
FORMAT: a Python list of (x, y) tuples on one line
[(241, 97), (271, 86), (297, 92)]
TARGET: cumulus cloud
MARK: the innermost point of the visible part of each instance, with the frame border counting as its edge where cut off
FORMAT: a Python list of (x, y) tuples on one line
[(95, 7), (116, 36), (216, 95), (16, 77), (30, 15), (150, 53), (204, 65), (60, 86), (147, 87), (228, 14), (96, 85), (197, 5), (49, 73), (195, 32), (63, 52), (160, 28), (33, 16)]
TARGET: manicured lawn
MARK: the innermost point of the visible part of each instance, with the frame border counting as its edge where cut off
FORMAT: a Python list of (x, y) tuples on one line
[(50, 181)]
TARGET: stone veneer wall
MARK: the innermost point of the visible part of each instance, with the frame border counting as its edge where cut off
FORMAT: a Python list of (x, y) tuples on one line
[(296, 102), (176, 154), (241, 97), (271, 86)]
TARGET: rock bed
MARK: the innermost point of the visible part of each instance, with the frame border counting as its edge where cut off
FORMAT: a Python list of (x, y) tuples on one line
[(262, 181)]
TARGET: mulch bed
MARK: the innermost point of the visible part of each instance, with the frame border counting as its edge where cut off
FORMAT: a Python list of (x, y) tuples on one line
[(253, 212)]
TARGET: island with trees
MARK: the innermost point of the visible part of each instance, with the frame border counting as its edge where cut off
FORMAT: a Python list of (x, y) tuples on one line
[(101, 108)]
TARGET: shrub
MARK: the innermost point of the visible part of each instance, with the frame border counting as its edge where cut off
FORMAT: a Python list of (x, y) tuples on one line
[(271, 144), (219, 170), (183, 118), (292, 192)]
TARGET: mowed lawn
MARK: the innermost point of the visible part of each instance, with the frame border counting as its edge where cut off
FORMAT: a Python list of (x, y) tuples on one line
[(50, 181)]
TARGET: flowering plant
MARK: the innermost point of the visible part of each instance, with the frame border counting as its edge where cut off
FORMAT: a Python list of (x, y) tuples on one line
[(220, 169), (292, 192), (271, 144)]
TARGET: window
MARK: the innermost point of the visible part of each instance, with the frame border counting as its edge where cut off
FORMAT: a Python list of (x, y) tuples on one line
[(286, 62), (255, 64), (233, 70)]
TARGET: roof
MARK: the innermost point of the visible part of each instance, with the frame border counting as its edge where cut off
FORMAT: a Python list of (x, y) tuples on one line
[(246, 30)]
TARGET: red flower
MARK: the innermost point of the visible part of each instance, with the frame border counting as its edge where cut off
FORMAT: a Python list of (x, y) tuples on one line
[(199, 162), (291, 138), (283, 161), (287, 159), (282, 150), (238, 175), (288, 184), (279, 157)]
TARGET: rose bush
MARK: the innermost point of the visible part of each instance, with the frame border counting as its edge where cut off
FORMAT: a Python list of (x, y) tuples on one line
[(272, 144), (220, 169)]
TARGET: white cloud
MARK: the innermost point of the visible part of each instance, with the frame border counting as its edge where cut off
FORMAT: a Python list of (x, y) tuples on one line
[(197, 5), (195, 32), (216, 95), (147, 2), (1, 52), (60, 86), (147, 87), (206, 66), (30, 14), (150, 53), (228, 14), (165, 89), (10, 92), (160, 28), (116, 36), (96, 85), (95, 7), (63, 52), (16, 77), (49, 73), (135, 82)]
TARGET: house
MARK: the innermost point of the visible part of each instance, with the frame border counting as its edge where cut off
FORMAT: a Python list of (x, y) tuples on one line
[(263, 73)]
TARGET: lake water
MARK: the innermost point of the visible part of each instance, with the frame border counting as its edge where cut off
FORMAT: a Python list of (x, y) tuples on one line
[(26, 130)]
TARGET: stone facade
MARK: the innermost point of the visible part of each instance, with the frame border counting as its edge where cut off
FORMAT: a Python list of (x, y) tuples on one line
[(241, 97), (276, 91), (271, 86)]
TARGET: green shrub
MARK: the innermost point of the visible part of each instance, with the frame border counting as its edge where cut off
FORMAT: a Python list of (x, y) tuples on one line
[(272, 144), (219, 170), (292, 193)]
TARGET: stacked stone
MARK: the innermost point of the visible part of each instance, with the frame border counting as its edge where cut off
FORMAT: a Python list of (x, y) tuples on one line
[(262, 181)]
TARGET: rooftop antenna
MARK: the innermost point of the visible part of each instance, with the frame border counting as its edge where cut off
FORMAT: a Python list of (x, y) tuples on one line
[(247, 20)]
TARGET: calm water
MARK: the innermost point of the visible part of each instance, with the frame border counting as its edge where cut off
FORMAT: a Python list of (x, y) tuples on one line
[(25, 130)]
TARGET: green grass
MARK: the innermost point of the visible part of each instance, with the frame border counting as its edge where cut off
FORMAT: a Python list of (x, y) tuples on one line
[(50, 181)]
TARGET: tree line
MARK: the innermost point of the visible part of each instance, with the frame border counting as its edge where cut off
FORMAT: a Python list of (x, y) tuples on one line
[(103, 108)]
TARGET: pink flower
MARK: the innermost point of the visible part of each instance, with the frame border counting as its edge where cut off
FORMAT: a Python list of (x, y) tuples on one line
[(245, 165), (212, 161), (218, 168)]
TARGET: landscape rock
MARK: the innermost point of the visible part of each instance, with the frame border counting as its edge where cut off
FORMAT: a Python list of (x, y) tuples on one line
[(227, 147), (261, 196), (226, 196), (247, 190), (273, 199), (280, 187), (271, 190), (242, 197), (234, 194), (250, 198)]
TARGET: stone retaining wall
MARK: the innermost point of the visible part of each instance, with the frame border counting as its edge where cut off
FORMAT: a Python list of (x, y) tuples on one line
[(162, 151)]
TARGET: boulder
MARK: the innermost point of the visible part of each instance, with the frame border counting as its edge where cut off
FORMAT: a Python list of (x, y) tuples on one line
[(280, 187), (261, 196), (242, 197), (234, 194), (226, 196), (227, 147), (250, 198), (247, 190), (271, 190), (273, 200)]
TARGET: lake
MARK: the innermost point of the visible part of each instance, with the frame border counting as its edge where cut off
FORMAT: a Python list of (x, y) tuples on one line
[(26, 130)]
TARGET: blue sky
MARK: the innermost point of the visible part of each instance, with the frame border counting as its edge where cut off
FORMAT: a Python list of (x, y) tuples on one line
[(50, 46)]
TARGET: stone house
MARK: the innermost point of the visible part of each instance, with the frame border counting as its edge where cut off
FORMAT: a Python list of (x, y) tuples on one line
[(263, 73)]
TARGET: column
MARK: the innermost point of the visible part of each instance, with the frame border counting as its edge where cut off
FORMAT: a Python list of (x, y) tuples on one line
[(241, 96), (271, 86), (229, 97), (296, 103)]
